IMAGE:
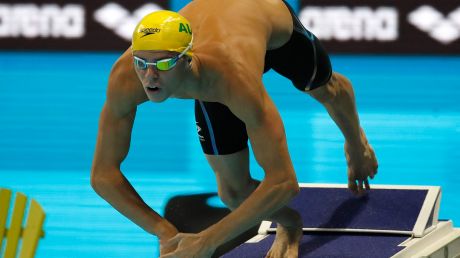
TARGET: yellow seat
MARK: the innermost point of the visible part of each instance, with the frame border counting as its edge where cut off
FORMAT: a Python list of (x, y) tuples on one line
[(30, 233)]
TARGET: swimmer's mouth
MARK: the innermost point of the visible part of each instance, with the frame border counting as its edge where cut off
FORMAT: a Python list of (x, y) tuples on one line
[(152, 88)]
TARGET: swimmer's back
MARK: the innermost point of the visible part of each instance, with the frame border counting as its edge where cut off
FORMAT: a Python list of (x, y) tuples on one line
[(236, 21)]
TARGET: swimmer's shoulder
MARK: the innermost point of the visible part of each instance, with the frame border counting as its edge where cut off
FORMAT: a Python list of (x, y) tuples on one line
[(227, 73), (124, 91), (208, 63)]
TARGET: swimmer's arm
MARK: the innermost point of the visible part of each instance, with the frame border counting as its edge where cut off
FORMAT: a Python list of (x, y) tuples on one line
[(266, 133), (337, 96), (113, 141)]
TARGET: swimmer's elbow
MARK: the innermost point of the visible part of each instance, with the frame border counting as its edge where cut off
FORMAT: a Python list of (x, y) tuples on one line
[(95, 179), (336, 89), (100, 179)]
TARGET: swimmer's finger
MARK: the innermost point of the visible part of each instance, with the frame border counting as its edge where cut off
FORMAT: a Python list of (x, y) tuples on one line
[(352, 186), (360, 187), (373, 173), (366, 183)]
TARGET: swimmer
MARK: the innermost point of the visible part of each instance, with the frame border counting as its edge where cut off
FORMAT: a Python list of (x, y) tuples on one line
[(216, 52)]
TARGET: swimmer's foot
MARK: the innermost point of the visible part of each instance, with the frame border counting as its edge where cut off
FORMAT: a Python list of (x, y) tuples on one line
[(286, 243)]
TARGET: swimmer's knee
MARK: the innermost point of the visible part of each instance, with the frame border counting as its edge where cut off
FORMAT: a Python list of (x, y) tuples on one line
[(232, 197), (331, 89)]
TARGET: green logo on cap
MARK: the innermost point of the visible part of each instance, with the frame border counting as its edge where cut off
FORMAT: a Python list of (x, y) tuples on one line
[(185, 28)]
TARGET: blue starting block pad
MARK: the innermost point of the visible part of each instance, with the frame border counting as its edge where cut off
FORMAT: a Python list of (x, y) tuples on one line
[(390, 221)]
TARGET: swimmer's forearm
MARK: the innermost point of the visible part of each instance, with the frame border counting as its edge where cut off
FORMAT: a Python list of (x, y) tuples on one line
[(119, 193), (263, 202), (342, 109)]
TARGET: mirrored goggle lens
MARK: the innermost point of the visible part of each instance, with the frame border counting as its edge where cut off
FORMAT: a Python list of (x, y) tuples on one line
[(166, 64)]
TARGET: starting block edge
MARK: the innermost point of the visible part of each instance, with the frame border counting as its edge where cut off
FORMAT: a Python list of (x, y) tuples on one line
[(374, 186), (430, 243), (430, 206)]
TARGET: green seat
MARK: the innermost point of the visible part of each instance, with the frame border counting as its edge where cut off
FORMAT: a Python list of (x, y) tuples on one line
[(16, 235)]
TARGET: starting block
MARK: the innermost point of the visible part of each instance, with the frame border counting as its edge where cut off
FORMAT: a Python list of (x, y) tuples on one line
[(390, 221)]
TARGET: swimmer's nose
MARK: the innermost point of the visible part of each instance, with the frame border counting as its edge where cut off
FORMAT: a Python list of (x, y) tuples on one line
[(152, 72)]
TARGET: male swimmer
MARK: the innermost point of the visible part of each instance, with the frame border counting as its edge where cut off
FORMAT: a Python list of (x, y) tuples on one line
[(216, 53)]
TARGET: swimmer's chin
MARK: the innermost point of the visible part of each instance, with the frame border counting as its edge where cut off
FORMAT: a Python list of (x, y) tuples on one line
[(156, 99)]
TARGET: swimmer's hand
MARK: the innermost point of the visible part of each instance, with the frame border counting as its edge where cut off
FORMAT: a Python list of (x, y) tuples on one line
[(362, 165), (188, 245), (168, 231), (166, 249)]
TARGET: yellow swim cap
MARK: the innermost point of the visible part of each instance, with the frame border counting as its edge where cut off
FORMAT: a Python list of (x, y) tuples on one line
[(163, 30)]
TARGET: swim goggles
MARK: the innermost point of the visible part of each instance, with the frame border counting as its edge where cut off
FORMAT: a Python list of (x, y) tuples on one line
[(165, 64)]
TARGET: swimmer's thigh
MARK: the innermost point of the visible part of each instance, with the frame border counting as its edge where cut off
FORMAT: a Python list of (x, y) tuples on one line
[(223, 138)]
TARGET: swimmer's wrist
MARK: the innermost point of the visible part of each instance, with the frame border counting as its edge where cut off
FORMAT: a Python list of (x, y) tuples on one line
[(211, 240), (165, 230), (358, 143)]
